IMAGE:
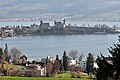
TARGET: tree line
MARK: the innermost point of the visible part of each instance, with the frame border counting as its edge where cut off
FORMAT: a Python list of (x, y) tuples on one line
[(15, 56)]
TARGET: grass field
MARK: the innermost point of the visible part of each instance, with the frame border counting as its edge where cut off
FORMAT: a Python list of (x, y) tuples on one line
[(64, 76), (37, 78)]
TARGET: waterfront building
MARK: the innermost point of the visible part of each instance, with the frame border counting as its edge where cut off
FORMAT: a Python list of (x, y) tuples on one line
[(44, 25), (59, 25)]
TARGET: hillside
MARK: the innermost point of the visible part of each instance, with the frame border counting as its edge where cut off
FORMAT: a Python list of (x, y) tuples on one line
[(75, 9)]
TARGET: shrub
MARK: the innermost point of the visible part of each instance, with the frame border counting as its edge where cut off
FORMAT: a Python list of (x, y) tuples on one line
[(78, 74), (73, 74), (30, 73)]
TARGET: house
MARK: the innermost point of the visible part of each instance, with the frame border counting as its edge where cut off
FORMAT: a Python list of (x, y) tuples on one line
[(58, 25), (43, 60), (95, 65), (7, 31), (33, 70), (33, 28), (51, 59), (43, 71), (83, 65), (72, 62), (44, 25)]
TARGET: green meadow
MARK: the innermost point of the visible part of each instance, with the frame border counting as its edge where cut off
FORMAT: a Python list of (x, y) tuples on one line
[(63, 76)]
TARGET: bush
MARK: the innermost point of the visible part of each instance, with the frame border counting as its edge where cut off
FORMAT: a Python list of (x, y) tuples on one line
[(30, 73), (73, 74), (13, 72), (78, 74)]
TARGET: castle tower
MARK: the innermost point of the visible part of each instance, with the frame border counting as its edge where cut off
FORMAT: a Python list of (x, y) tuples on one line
[(41, 22), (64, 21), (64, 24)]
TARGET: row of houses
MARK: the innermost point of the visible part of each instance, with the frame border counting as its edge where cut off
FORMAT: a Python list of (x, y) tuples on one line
[(63, 28), (37, 69), (7, 31), (42, 28), (57, 28), (41, 70)]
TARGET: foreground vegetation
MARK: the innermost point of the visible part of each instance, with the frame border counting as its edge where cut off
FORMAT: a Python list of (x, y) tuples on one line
[(64, 76)]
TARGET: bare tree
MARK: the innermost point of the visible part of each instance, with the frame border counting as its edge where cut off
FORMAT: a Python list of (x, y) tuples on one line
[(73, 54), (23, 59), (80, 56), (56, 65), (49, 68), (15, 55)]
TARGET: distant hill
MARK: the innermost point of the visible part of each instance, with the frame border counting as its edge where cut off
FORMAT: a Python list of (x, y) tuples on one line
[(75, 9)]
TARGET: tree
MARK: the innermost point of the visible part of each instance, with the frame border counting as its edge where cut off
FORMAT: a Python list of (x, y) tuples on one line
[(61, 66), (56, 65), (73, 54), (2, 58), (6, 53), (34, 62), (65, 61), (90, 63), (49, 69), (15, 55), (23, 59), (109, 69), (80, 56), (57, 58), (105, 70), (115, 58)]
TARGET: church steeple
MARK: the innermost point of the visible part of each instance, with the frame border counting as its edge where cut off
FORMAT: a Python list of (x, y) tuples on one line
[(41, 22), (64, 21)]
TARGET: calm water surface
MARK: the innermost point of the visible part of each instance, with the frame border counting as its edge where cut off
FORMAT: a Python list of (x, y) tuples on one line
[(36, 47)]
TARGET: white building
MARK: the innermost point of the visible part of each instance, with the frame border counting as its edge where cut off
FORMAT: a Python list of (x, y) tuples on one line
[(83, 65), (43, 60), (72, 62), (37, 70), (51, 59)]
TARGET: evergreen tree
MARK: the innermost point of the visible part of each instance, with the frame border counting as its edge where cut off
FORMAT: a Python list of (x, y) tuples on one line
[(1, 52), (47, 60), (57, 58), (2, 58), (6, 53), (105, 70), (109, 69), (90, 63), (115, 57), (65, 61), (61, 66)]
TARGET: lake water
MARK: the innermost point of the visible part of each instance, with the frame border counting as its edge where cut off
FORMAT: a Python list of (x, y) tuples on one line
[(36, 47)]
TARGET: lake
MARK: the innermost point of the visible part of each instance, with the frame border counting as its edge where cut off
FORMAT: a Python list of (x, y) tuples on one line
[(36, 47)]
